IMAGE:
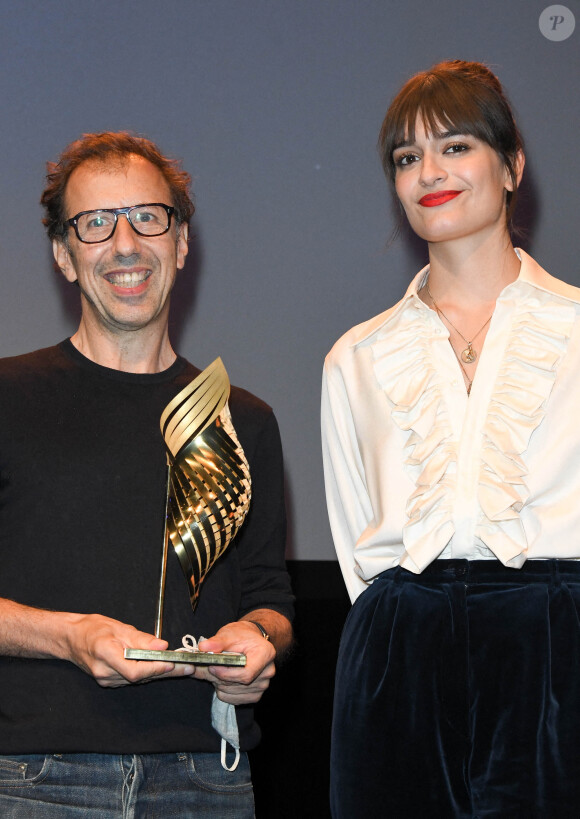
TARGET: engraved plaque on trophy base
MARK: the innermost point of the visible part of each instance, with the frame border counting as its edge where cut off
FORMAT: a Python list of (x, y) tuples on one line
[(230, 658)]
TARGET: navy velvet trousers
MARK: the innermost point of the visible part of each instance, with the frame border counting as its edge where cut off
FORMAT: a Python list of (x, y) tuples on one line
[(458, 695)]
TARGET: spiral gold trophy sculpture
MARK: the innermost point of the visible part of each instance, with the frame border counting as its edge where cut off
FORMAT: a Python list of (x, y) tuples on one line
[(208, 495)]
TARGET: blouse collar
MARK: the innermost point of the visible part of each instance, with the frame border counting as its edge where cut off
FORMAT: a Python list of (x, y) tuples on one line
[(530, 273)]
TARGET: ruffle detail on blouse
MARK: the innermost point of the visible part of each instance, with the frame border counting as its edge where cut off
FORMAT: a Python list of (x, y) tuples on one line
[(403, 367), (538, 340)]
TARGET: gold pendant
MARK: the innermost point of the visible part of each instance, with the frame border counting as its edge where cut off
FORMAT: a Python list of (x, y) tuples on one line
[(468, 355)]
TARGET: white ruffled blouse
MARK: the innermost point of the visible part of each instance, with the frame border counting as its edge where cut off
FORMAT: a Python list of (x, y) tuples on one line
[(415, 470)]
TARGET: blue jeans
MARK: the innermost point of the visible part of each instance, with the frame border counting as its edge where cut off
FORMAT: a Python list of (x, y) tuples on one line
[(124, 786)]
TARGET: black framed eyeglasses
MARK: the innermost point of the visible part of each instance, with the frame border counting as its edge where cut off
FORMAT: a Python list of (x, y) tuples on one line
[(93, 226)]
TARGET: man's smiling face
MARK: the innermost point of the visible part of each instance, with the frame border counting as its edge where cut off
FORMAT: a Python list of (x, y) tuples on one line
[(125, 281)]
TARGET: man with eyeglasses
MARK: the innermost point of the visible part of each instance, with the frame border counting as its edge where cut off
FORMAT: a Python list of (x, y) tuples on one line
[(82, 494)]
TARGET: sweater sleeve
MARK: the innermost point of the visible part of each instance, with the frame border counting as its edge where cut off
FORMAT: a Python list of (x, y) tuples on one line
[(262, 539)]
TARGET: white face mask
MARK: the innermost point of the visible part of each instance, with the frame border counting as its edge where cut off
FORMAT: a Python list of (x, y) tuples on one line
[(223, 716), (224, 720)]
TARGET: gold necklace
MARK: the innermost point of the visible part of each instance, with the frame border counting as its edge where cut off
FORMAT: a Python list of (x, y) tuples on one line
[(464, 371), (469, 355)]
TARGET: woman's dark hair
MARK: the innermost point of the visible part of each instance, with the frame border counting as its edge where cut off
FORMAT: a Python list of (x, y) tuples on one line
[(110, 147), (458, 96)]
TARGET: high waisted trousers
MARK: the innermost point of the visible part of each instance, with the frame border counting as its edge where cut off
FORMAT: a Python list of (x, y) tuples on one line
[(458, 695)]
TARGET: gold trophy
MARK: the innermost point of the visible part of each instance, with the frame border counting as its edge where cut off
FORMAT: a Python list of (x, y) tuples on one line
[(207, 497)]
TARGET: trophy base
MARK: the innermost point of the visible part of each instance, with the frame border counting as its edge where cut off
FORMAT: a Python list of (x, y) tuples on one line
[(231, 658)]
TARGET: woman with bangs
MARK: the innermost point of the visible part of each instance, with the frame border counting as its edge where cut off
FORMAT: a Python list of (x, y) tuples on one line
[(451, 446)]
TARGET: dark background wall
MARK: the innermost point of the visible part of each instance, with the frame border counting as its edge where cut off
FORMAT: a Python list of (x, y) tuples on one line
[(275, 107)]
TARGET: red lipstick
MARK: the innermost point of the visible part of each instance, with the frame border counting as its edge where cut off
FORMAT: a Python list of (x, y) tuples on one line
[(431, 200)]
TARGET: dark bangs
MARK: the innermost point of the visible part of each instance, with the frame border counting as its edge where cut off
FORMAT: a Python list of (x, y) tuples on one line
[(455, 96)]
